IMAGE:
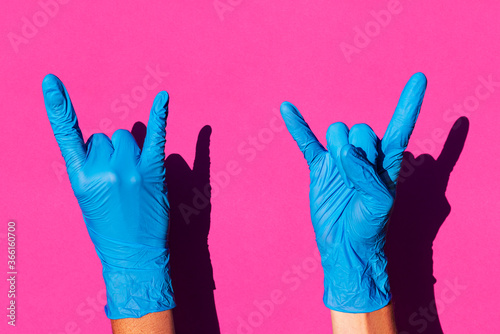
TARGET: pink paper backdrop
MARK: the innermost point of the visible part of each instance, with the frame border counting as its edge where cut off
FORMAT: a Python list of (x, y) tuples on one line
[(229, 64)]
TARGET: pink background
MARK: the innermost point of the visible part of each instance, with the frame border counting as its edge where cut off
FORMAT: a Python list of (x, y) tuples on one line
[(232, 70)]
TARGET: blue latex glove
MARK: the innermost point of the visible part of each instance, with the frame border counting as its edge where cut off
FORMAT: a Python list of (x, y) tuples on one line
[(351, 194), (124, 203)]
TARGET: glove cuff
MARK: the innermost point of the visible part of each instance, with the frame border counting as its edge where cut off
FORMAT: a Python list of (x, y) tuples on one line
[(133, 293), (359, 289)]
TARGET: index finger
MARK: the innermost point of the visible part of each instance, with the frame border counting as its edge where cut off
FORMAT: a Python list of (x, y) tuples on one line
[(153, 150), (301, 133), (64, 122), (403, 121)]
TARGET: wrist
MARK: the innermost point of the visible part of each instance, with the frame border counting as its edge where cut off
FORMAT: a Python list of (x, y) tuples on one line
[(380, 321)]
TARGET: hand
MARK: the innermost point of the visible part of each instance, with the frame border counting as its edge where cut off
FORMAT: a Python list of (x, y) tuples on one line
[(124, 203), (352, 191)]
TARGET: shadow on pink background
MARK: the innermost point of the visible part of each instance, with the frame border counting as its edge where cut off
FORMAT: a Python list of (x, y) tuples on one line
[(229, 65)]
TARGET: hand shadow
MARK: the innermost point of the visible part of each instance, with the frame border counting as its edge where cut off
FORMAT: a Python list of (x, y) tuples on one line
[(420, 209), (189, 194)]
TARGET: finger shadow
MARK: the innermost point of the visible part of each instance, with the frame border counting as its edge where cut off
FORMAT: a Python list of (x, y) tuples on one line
[(189, 195), (420, 210)]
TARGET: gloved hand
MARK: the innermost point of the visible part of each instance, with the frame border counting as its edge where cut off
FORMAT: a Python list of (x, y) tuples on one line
[(124, 203), (352, 191)]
